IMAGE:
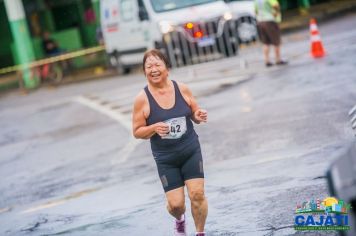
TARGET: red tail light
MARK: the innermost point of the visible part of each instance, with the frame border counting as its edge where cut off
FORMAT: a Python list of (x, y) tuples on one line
[(198, 34)]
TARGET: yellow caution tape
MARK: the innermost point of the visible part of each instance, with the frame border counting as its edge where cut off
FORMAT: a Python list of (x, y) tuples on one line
[(61, 57)]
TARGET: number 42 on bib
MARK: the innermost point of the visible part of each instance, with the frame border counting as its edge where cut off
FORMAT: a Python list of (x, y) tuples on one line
[(177, 127)]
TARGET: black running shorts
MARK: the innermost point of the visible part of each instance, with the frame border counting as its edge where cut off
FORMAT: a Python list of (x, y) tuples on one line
[(176, 167)]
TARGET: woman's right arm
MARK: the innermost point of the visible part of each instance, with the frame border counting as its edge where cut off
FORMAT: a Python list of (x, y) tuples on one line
[(140, 112), (139, 126)]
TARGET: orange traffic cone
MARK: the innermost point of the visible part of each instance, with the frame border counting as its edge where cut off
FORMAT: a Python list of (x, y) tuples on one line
[(317, 49)]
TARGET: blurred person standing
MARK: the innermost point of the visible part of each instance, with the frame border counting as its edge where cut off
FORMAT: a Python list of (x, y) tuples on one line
[(51, 48), (89, 15), (268, 16), (49, 45)]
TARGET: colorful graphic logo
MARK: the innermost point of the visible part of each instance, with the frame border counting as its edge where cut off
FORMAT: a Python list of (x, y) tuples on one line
[(111, 12), (329, 214)]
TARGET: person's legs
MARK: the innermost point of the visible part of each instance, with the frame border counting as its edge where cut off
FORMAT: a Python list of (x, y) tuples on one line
[(277, 53), (173, 185), (175, 202), (176, 207), (199, 204), (279, 61), (275, 35), (265, 37), (193, 175), (266, 48)]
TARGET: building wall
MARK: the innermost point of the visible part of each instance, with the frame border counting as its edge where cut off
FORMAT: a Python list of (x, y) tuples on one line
[(6, 58)]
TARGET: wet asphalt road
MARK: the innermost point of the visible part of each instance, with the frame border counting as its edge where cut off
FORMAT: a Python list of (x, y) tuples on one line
[(68, 164)]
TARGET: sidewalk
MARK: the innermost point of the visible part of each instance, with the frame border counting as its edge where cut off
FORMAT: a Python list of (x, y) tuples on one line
[(292, 20), (295, 19), (10, 81)]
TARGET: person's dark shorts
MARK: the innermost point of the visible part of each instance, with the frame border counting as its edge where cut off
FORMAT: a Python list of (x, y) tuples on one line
[(176, 167), (269, 33)]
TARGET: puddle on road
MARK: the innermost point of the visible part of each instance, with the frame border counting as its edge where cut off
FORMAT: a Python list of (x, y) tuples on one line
[(246, 109), (57, 134), (35, 226), (53, 107), (6, 209), (98, 227), (60, 201), (68, 131), (224, 86)]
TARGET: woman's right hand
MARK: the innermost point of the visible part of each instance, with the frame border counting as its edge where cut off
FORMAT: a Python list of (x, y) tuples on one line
[(161, 128)]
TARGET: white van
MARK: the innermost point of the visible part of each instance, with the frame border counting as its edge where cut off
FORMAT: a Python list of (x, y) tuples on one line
[(244, 11), (188, 31)]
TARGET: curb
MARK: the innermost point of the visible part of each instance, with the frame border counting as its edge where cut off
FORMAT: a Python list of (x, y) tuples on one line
[(322, 15)]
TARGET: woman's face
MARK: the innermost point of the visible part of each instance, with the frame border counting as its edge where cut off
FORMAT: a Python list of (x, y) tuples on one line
[(155, 70)]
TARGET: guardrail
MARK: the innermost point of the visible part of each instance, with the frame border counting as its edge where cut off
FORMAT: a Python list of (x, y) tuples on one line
[(54, 59), (52, 70), (197, 42)]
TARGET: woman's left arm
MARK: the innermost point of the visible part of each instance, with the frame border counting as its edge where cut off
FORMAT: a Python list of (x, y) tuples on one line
[(199, 115)]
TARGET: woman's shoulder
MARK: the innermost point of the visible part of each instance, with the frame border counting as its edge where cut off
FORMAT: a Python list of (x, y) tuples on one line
[(141, 98), (141, 104), (183, 87), (185, 91)]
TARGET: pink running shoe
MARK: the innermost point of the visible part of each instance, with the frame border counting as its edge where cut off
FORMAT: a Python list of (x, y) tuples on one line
[(179, 230), (200, 234)]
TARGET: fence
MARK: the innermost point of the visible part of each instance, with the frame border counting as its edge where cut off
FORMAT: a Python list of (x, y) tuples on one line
[(194, 43)]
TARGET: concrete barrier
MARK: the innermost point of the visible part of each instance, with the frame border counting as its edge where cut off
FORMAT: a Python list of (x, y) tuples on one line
[(341, 178)]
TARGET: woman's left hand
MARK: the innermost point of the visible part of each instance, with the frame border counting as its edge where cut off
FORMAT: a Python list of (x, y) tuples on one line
[(201, 115)]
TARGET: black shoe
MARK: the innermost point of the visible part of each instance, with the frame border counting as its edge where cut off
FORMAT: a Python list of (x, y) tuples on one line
[(269, 64), (282, 63)]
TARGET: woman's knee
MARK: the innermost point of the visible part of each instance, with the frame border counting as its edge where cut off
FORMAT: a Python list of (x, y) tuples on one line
[(176, 206), (197, 196)]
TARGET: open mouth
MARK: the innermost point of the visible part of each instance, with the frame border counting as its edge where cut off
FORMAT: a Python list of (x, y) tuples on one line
[(155, 75)]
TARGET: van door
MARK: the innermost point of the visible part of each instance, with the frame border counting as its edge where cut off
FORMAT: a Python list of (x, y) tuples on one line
[(110, 23), (132, 31)]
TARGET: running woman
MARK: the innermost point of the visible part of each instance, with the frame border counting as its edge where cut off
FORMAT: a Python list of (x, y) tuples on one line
[(163, 112)]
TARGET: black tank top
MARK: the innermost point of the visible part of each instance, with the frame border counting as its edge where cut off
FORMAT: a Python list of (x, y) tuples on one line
[(158, 114)]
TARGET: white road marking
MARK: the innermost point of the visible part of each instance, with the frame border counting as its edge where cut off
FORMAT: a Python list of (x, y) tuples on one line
[(115, 115), (126, 152), (97, 105), (59, 201)]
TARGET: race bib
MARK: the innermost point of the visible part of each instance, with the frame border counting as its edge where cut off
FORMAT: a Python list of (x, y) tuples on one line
[(177, 127)]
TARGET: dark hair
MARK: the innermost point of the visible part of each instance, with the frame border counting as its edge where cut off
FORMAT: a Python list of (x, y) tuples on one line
[(156, 53)]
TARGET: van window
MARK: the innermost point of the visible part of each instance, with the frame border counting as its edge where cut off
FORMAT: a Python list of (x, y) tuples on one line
[(168, 5), (141, 4), (127, 10), (143, 14)]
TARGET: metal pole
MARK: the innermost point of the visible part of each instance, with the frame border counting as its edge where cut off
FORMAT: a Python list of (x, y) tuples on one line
[(304, 6), (23, 44), (96, 7)]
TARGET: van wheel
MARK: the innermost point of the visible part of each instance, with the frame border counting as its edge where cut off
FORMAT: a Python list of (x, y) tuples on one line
[(123, 70), (115, 63), (127, 70), (246, 29)]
